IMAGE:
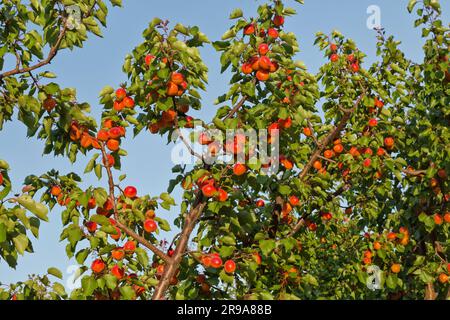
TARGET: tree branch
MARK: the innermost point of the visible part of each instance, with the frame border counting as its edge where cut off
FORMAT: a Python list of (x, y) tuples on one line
[(123, 227), (171, 268), (52, 53), (236, 108)]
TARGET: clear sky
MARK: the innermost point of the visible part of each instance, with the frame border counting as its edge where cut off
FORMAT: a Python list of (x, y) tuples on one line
[(99, 63)]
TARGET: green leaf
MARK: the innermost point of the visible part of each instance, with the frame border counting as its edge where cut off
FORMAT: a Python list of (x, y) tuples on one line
[(267, 246), (142, 257), (55, 272), (411, 5), (59, 289), (226, 277), (38, 209), (101, 220), (127, 292), (89, 285), (2, 232), (21, 243), (236, 13), (100, 196)]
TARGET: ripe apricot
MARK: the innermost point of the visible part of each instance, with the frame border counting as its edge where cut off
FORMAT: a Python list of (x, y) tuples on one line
[(172, 89), (395, 268), (262, 75), (239, 169), (113, 145)]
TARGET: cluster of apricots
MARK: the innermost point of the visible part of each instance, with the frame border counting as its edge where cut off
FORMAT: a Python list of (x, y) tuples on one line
[(209, 188), (168, 118), (213, 260), (98, 266), (49, 103), (261, 64), (352, 61), (287, 208), (110, 134), (235, 146), (122, 100), (160, 270), (440, 219), (80, 134), (176, 86), (63, 198), (436, 183)]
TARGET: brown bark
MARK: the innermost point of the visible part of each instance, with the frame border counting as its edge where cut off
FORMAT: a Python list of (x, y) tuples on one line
[(171, 268)]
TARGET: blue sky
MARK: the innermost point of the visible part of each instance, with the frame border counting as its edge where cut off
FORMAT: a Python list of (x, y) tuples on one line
[(99, 63)]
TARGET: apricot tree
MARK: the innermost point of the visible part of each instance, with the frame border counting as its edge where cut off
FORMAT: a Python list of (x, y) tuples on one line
[(358, 208)]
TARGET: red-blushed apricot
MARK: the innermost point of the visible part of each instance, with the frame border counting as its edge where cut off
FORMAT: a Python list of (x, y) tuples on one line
[(338, 148), (239, 169), (206, 261), (129, 247), (247, 68), (117, 235), (317, 165), (328, 154), (447, 217), (378, 103), (273, 33), (113, 145), (222, 195), (294, 200), (209, 190), (121, 93), (278, 21), (373, 122), (98, 266), (443, 278), (249, 29), (118, 253), (91, 226), (216, 261), (172, 89), (149, 59), (150, 225), (128, 102), (262, 75), (229, 266), (265, 63), (169, 115), (118, 272), (263, 49), (177, 78), (392, 236), (333, 47), (367, 162), (307, 131), (355, 67), (55, 190), (260, 203), (334, 57), (376, 245), (389, 142), (130, 192), (285, 123), (438, 219)]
